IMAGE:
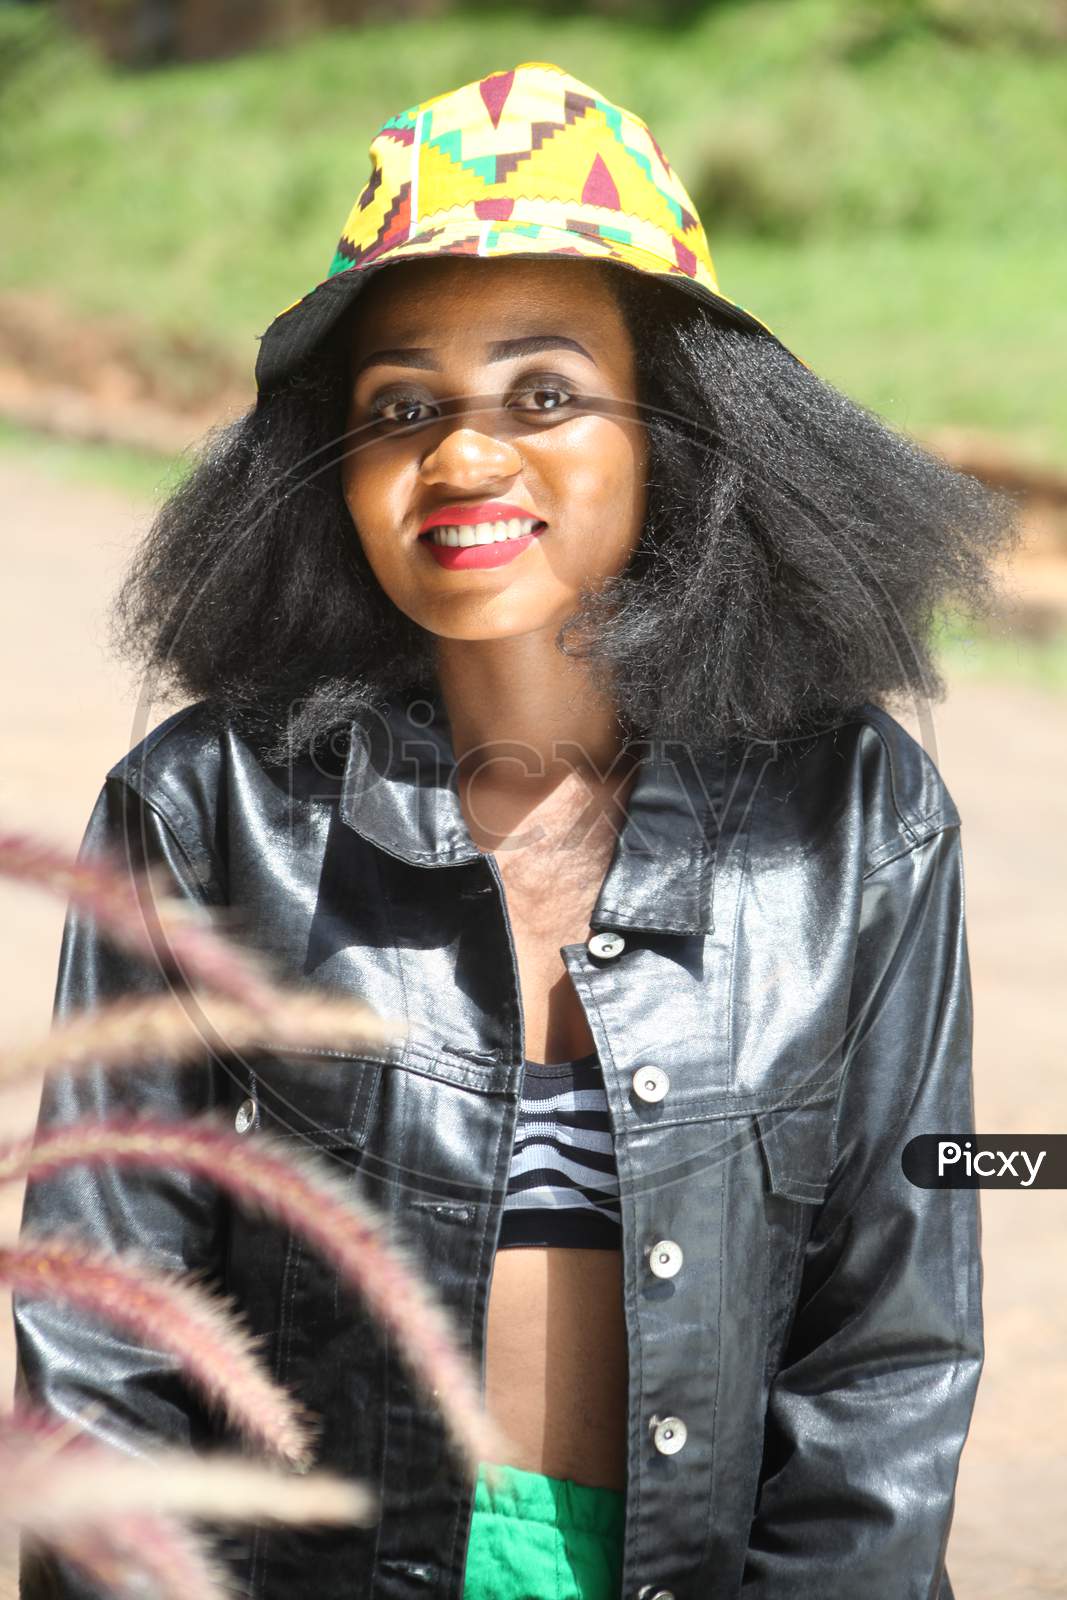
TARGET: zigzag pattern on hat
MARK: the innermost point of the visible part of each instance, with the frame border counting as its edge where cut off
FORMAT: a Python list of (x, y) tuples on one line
[(516, 147)]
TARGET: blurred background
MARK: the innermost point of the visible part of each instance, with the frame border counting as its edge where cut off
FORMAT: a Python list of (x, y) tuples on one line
[(884, 182)]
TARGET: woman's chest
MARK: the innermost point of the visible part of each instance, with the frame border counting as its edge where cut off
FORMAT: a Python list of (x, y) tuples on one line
[(549, 894), (726, 967)]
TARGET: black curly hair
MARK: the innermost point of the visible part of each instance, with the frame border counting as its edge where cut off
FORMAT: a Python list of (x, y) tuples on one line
[(796, 553)]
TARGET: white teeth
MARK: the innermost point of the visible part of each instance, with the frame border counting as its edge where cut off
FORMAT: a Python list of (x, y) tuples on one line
[(484, 532)]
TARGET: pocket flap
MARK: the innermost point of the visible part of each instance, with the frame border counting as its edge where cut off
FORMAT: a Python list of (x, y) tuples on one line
[(323, 1098), (797, 1144)]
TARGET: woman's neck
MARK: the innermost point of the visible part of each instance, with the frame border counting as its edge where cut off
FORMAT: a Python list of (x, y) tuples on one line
[(527, 711)]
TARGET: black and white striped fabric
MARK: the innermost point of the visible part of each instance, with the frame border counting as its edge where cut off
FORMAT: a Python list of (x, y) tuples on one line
[(563, 1188)]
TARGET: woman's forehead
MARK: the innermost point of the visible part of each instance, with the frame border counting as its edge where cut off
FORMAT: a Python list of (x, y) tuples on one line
[(426, 300)]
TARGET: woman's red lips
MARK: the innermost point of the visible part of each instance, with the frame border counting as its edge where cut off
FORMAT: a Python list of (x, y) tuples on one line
[(497, 554), (464, 516)]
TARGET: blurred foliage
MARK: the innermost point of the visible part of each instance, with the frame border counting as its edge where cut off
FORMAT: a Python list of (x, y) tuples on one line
[(150, 31), (145, 33), (881, 180), (878, 25)]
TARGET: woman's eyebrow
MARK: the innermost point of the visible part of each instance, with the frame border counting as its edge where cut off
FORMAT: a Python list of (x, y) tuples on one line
[(499, 350)]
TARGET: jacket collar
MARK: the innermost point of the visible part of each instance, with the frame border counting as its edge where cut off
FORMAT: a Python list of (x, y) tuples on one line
[(399, 793)]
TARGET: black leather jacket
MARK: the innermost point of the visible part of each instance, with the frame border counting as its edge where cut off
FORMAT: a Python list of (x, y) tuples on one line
[(793, 961)]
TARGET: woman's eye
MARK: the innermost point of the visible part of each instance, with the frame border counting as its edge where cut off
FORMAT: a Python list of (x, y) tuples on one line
[(556, 398), (398, 409), (399, 412)]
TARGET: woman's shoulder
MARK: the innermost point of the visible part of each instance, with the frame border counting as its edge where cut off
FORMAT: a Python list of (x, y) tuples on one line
[(869, 772), (907, 799), (195, 765), (180, 759), (195, 747), (203, 778)]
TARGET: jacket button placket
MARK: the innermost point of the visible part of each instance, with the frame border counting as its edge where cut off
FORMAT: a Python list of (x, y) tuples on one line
[(663, 1260)]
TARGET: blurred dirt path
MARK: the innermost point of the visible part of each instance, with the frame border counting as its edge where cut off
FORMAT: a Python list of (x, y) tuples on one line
[(70, 714)]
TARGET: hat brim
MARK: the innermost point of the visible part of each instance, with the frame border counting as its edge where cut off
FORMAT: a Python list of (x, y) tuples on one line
[(297, 331)]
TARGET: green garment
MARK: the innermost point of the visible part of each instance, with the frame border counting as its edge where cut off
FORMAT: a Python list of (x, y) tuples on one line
[(538, 1538)]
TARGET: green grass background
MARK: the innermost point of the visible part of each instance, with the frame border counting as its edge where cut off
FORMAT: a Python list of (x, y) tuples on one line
[(883, 181)]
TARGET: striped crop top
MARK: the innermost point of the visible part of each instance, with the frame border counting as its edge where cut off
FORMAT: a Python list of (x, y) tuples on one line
[(562, 1187)]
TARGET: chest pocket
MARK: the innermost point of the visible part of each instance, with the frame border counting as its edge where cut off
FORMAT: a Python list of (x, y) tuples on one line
[(798, 1149), (319, 1103), (320, 1098)]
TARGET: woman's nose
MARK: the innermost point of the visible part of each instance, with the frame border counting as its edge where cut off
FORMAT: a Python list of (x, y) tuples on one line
[(468, 456)]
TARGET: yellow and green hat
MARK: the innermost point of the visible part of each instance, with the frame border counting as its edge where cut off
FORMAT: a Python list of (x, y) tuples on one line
[(528, 162)]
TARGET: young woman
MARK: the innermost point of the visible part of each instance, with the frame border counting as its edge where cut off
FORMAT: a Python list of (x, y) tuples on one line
[(538, 623)]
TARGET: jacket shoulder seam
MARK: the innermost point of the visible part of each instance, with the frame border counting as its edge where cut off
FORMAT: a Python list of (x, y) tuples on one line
[(894, 849), (135, 771), (201, 860), (914, 826), (134, 760)]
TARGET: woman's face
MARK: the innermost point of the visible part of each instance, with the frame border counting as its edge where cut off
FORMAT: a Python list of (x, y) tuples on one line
[(489, 396)]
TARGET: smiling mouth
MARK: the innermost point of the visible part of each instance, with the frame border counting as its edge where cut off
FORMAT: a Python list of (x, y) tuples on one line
[(501, 531)]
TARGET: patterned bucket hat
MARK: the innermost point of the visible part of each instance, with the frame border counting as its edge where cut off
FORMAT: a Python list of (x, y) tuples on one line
[(525, 163)]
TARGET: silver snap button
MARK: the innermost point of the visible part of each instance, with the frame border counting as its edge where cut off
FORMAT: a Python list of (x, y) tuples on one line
[(668, 1434), (606, 946), (649, 1592), (665, 1258), (246, 1116), (650, 1084)]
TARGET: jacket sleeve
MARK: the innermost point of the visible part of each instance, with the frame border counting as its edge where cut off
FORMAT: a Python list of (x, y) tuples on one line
[(119, 1390), (869, 1411)]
